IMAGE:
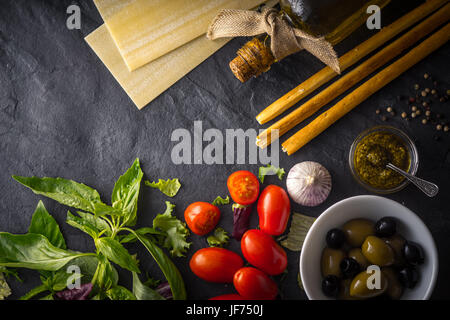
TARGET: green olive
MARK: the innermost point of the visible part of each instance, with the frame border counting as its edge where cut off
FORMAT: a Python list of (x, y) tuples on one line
[(396, 242), (395, 288), (344, 290), (362, 285), (331, 259), (356, 254), (378, 252), (357, 230)]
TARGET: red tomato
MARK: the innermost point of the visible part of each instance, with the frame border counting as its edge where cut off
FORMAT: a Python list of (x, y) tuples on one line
[(252, 283), (274, 209), (215, 264), (231, 296), (201, 217), (244, 187), (261, 251)]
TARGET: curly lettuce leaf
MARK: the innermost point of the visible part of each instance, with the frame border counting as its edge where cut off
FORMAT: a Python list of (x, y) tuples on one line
[(169, 187), (219, 239), (221, 201), (5, 290), (269, 170), (176, 231)]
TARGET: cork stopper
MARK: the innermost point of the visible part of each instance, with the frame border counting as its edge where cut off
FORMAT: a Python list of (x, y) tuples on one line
[(252, 59)]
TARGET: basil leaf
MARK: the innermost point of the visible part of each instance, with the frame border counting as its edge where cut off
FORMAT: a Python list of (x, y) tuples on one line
[(64, 191), (43, 223), (142, 231), (167, 267), (219, 239), (86, 224), (33, 251), (143, 292), (169, 187), (95, 222), (106, 275), (126, 192), (221, 201), (114, 251), (58, 280), (87, 264), (120, 293), (33, 292), (175, 230), (269, 170)]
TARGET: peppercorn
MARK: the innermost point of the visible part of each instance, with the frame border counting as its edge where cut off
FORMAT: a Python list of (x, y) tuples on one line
[(392, 113), (423, 93), (389, 109), (439, 127), (378, 111), (403, 115), (413, 115), (448, 92), (413, 108), (411, 100), (416, 87), (425, 104), (418, 112), (433, 92), (427, 90), (426, 75), (446, 128), (424, 121), (428, 113), (383, 118)]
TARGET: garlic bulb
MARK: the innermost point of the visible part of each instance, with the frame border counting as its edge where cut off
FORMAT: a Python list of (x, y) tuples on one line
[(308, 183)]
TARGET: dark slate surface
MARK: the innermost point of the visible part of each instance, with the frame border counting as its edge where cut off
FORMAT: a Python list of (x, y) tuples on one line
[(63, 114)]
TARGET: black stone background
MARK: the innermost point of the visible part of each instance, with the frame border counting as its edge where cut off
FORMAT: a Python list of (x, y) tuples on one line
[(63, 114)]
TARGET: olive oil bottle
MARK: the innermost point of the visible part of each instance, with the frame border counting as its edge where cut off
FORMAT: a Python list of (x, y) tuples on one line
[(332, 19)]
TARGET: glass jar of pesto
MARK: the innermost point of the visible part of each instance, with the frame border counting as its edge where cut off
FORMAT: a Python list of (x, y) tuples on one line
[(373, 149)]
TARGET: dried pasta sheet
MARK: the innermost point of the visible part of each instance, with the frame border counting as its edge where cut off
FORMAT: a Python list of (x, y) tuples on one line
[(146, 83), (144, 30)]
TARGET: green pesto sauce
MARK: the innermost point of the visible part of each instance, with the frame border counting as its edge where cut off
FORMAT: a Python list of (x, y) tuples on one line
[(372, 155)]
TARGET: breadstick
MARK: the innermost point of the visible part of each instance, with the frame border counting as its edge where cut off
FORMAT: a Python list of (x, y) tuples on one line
[(326, 119)]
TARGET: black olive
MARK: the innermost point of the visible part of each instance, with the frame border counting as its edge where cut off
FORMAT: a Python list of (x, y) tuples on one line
[(330, 286), (335, 238), (386, 227), (413, 253), (408, 277), (349, 267)]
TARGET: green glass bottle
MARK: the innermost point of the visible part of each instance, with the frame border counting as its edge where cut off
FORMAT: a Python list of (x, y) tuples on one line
[(332, 19)]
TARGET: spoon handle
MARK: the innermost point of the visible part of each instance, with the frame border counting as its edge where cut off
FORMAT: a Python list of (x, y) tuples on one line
[(430, 189)]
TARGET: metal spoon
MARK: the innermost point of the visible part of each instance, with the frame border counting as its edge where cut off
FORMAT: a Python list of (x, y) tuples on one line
[(430, 189)]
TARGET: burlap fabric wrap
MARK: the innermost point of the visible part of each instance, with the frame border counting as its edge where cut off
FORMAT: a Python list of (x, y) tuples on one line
[(285, 39)]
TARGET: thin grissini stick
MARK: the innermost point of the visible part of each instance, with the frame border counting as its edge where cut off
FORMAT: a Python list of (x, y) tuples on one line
[(326, 119), (348, 59), (353, 77)]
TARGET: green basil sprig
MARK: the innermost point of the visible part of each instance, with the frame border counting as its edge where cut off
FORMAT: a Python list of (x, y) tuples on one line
[(44, 247)]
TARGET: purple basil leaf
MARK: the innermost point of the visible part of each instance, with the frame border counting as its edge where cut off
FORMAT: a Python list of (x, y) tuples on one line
[(75, 294), (241, 220), (164, 290)]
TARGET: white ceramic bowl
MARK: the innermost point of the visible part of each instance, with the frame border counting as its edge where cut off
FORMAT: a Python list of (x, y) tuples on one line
[(373, 208)]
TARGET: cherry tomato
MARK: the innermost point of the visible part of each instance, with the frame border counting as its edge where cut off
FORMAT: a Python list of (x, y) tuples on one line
[(201, 217), (231, 296), (215, 264), (244, 187), (252, 283), (274, 209), (261, 251)]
